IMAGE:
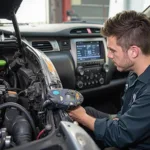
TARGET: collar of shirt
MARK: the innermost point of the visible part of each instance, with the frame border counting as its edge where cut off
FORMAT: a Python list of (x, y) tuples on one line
[(145, 76), (131, 80)]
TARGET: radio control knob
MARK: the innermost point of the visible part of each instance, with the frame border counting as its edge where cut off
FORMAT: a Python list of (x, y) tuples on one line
[(96, 75), (96, 81), (80, 84), (89, 83), (93, 82), (85, 84), (101, 80), (80, 70)]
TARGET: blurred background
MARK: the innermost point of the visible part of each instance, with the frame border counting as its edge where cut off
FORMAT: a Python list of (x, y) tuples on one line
[(57, 11)]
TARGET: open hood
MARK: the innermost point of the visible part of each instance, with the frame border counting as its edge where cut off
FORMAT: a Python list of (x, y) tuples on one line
[(147, 11), (7, 7)]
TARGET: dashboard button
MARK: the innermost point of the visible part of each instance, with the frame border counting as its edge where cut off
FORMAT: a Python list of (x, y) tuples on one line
[(89, 83), (93, 82), (101, 81), (96, 81), (80, 84), (80, 70), (86, 77), (85, 84), (96, 75)]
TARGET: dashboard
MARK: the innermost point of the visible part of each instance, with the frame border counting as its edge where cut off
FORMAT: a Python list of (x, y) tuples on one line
[(78, 52), (89, 55)]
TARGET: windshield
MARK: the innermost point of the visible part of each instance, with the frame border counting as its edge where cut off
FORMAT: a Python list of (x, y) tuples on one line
[(57, 11)]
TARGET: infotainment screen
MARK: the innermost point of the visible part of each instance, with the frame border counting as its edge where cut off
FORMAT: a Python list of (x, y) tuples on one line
[(88, 50)]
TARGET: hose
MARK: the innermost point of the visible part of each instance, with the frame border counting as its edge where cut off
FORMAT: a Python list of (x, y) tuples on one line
[(21, 131), (5, 83), (15, 79), (19, 107)]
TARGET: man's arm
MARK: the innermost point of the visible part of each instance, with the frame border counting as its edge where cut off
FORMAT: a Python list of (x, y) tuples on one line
[(79, 114), (130, 127)]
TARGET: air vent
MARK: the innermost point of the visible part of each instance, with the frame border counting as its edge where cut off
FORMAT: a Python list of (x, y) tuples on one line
[(42, 45), (6, 36), (79, 31), (95, 30)]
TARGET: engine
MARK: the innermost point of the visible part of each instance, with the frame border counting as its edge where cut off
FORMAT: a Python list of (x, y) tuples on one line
[(21, 98)]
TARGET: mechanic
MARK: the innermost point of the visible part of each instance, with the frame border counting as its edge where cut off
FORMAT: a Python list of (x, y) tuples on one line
[(128, 42)]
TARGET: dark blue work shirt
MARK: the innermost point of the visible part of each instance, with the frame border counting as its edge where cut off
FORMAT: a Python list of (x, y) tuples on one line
[(133, 127)]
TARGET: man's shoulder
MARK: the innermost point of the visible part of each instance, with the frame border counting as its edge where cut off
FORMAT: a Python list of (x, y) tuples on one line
[(148, 86), (145, 89)]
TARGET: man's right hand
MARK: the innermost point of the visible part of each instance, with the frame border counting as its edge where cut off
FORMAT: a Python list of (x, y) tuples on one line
[(79, 114)]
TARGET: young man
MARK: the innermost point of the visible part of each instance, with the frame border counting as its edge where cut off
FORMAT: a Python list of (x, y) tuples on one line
[(128, 42)]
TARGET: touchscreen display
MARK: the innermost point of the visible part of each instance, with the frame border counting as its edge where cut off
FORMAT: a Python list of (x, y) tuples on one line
[(88, 50)]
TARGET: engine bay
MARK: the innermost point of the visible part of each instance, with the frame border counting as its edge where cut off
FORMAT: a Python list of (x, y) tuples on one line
[(33, 102)]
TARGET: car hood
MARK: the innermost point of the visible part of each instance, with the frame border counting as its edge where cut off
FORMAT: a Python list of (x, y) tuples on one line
[(7, 7), (147, 11)]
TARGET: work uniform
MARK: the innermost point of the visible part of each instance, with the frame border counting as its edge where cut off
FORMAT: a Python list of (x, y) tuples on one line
[(132, 130)]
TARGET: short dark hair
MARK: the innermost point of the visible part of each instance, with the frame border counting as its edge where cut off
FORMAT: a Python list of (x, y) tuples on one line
[(130, 28)]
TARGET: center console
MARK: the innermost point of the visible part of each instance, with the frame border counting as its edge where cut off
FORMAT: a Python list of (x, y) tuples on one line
[(90, 61)]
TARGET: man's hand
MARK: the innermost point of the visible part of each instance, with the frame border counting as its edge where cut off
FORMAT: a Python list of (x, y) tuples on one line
[(79, 114)]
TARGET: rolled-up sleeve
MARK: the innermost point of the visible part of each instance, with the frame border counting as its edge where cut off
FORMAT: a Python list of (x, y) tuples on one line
[(100, 127), (132, 126)]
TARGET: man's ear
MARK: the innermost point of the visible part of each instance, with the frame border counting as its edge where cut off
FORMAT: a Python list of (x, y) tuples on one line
[(133, 51)]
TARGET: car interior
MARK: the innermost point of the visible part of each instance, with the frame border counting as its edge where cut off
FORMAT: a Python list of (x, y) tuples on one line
[(42, 65)]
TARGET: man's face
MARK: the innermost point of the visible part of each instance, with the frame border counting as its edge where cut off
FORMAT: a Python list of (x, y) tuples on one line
[(119, 57)]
